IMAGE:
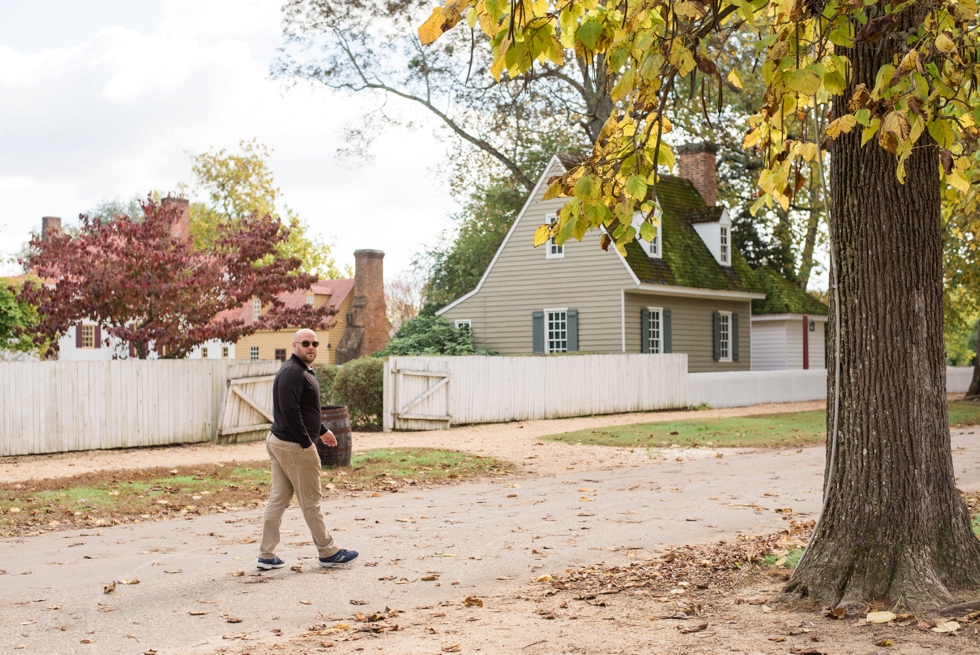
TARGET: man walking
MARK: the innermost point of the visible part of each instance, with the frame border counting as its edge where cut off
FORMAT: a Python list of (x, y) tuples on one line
[(295, 462)]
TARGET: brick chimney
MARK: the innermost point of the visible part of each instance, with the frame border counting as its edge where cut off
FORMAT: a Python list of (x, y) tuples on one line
[(50, 227), (182, 228), (367, 321), (697, 164)]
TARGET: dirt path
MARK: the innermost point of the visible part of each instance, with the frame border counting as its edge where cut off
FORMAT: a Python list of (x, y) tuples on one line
[(515, 442)]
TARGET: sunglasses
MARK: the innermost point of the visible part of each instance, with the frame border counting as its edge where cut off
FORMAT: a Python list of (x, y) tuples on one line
[(307, 344)]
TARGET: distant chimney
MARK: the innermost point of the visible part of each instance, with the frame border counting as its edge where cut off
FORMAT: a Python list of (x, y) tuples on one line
[(697, 164), (367, 321), (50, 227), (181, 229)]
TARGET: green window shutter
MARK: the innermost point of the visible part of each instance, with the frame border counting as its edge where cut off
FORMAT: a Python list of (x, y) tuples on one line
[(734, 337), (572, 326), (716, 323), (537, 321), (644, 330), (668, 342)]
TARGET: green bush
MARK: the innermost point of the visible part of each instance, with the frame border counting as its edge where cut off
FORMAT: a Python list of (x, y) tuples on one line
[(359, 384), (430, 335), (325, 374)]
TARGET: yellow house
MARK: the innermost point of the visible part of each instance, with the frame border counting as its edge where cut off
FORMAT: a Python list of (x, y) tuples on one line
[(277, 344)]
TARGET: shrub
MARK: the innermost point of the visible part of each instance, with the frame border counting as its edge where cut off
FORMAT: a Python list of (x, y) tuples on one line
[(430, 335), (325, 375), (359, 384)]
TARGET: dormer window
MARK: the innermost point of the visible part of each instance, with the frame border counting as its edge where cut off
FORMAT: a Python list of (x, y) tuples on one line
[(725, 259), (651, 248), (552, 249), (309, 300)]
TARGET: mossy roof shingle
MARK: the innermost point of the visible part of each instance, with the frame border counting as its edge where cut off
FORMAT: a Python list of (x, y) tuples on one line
[(784, 297), (686, 259)]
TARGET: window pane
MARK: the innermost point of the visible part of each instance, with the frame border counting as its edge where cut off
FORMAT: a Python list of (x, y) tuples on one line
[(224, 352), (654, 335), (204, 353), (557, 332), (88, 336), (725, 339), (253, 352)]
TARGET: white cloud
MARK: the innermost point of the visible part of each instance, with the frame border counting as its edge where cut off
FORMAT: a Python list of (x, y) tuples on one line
[(116, 114)]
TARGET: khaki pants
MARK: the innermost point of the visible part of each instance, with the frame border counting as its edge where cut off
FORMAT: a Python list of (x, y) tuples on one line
[(294, 470)]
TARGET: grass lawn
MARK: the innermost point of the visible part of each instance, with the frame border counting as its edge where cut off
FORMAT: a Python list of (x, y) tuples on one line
[(105, 498), (790, 430)]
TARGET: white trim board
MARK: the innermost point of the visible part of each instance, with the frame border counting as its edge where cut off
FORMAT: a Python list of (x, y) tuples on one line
[(819, 318), (699, 293)]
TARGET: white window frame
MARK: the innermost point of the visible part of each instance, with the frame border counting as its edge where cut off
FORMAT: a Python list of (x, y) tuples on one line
[(725, 337), (88, 335), (548, 330), (724, 245), (551, 249), (309, 300), (653, 248), (656, 313), (460, 322), (253, 353), (256, 309)]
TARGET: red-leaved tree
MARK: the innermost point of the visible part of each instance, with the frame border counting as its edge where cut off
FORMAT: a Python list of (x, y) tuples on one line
[(149, 287)]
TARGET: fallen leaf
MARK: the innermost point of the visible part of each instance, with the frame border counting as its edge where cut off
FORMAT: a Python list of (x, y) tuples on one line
[(451, 649), (884, 643), (543, 578), (777, 639), (306, 602), (880, 617), (233, 619), (197, 613), (238, 574), (358, 602), (946, 626), (109, 588), (297, 569), (837, 613), (174, 571), (585, 489), (85, 641), (583, 499), (806, 651), (472, 601), (428, 578), (686, 630), (107, 609), (509, 496)]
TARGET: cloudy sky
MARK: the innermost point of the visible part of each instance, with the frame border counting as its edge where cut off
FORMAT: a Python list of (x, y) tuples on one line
[(105, 99)]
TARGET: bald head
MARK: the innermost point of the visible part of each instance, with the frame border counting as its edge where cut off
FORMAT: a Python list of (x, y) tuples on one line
[(305, 345)]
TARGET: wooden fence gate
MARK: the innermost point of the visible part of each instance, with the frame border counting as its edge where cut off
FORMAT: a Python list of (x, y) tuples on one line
[(419, 398), (246, 413)]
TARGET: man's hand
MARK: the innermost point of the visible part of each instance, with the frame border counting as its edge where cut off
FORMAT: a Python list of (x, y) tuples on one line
[(328, 439)]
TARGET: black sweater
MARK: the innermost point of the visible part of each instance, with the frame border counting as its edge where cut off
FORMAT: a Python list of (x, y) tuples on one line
[(296, 403)]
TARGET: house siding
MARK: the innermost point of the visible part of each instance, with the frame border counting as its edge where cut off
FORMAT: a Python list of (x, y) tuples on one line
[(794, 343), (692, 330), (523, 280), (768, 346), (818, 357)]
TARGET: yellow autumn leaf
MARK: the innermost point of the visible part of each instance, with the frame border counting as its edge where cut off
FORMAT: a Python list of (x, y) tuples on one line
[(880, 617), (734, 79), (442, 20), (842, 125), (945, 44), (541, 235), (957, 181)]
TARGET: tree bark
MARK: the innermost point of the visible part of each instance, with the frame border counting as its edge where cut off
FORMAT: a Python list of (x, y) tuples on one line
[(973, 393), (894, 524)]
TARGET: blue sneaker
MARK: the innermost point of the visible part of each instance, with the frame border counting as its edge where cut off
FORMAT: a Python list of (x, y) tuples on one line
[(340, 558), (274, 563)]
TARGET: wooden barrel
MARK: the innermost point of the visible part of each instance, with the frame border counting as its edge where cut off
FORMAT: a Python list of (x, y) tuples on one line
[(337, 420)]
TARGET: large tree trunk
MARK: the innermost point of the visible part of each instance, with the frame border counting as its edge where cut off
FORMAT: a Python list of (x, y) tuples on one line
[(894, 525)]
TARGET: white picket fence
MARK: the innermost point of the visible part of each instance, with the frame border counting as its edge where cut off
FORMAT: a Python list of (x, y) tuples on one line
[(740, 388), (431, 393), (426, 393), (50, 407)]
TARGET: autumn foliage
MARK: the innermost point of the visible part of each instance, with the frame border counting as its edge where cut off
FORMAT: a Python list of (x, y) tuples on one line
[(154, 290)]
